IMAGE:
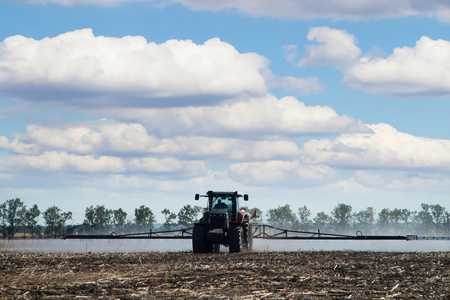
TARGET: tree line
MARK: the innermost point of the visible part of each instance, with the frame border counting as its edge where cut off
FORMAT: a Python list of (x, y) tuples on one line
[(431, 219), (16, 217)]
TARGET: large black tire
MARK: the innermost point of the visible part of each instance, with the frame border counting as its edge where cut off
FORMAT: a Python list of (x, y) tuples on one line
[(248, 237), (199, 244), (235, 238)]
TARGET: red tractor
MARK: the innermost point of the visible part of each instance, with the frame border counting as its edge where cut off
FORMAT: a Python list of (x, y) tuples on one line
[(222, 224)]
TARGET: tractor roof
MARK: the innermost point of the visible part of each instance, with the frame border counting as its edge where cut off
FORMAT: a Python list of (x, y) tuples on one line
[(224, 193)]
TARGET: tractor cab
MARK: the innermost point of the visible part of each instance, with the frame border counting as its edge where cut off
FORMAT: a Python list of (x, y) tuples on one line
[(224, 200)]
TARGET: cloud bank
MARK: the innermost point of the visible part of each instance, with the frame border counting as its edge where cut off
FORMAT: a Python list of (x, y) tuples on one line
[(334, 9), (300, 10), (384, 148), (254, 137), (419, 71)]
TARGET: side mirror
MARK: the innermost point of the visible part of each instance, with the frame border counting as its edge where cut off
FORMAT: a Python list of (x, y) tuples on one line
[(197, 196), (245, 197)]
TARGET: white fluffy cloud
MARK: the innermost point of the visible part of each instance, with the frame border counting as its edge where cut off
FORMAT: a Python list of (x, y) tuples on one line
[(254, 130), (79, 69), (17, 146), (266, 116), (295, 9), (168, 165), (385, 148), (227, 149), (423, 70), (56, 162), (280, 172), (403, 181), (61, 161), (92, 138), (337, 48), (122, 148), (127, 140), (128, 70)]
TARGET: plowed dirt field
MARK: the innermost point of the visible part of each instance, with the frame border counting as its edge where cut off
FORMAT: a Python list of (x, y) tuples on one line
[(270, 275)]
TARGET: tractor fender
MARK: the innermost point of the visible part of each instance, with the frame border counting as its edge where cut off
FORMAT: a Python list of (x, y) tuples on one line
[(242, 216)]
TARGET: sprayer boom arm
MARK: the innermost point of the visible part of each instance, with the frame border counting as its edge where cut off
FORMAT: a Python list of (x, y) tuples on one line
[(260, 231)]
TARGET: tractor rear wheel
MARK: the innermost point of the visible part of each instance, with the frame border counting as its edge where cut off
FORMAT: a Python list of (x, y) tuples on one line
[(248, 237), (235, 237), (199, 244)]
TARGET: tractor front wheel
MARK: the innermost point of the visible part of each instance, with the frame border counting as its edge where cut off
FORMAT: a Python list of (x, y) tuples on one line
[(199, 244), (235, 237)]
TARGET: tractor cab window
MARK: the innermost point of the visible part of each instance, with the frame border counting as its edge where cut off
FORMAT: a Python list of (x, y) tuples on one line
[(222, 202)]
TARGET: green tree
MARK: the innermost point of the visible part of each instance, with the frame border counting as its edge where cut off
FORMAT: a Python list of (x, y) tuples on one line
[(143, 216), (55, 219), (365, 218), (304, 213), (406, 215), (31, 216), (424, 217), (15, 211), (321, 219), (3, 218), (188, 215), (119, 218), (170, 218), (438, 214), (384, 217), (395, 215), (98, 218), (342, 216), (282, 216)]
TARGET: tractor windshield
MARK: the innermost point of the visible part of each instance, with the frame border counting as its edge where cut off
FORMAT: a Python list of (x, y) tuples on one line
[(222, 202)]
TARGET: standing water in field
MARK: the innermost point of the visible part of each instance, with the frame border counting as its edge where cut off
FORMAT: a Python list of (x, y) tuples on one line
[(118, 245), (93, 245)]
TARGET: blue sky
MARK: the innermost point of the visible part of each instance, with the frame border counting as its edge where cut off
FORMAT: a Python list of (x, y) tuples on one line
[(124, 103)]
